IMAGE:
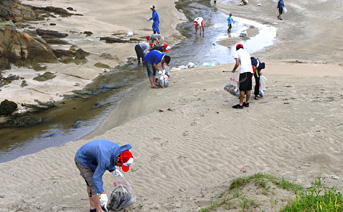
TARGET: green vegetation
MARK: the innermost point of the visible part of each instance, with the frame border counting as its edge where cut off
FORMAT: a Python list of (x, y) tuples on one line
[(242, 194), (316, 198)]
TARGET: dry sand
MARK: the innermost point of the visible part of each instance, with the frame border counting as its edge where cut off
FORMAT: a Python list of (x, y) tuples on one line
[(189, 143)]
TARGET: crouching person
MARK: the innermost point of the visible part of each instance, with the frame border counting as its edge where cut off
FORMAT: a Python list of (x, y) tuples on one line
[(93, 159)]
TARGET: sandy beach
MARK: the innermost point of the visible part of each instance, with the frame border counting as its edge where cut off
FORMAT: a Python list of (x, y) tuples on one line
[(188, 142)]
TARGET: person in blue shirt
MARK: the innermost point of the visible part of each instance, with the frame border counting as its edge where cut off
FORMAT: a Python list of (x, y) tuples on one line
[(230, 22), (155, 25), (152, 59), (280, 5), (93, 159)]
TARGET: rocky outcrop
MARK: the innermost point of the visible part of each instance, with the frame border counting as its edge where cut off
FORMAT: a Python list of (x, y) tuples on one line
[(7, 107), (15, 11), (22, 49)]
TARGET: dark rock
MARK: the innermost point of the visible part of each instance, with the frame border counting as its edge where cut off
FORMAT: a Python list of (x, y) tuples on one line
[(88, 33), (101, 65), (8, 80), (7, 107), (26, 121), (70, 8), (53, 33), (115, 40), (44, 77)]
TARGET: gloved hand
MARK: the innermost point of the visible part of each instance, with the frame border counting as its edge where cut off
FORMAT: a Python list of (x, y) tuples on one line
[(159, 72), (103, 200), (148, 19)]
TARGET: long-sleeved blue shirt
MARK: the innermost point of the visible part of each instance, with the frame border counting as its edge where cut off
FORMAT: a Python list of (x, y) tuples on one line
[(155, 16), (154, 56), (100, 155)]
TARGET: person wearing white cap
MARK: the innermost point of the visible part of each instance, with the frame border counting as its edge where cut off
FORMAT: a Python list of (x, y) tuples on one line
[(156, 23), (93, 159)]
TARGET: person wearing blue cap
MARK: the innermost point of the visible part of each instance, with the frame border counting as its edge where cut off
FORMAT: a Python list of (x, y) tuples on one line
[(230, 22), (156, 19)]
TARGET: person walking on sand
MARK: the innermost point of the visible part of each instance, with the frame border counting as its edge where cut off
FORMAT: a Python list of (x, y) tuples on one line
[(152, 59), (199, 23), (242, 58), (155, 37), (230, 22), (257, 66), (93, 159), (141, 50), (164, 48), (156, 23), (280, 5)]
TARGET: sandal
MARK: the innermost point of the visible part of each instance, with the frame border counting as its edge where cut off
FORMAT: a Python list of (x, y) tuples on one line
[(246, 104), (238, 106)]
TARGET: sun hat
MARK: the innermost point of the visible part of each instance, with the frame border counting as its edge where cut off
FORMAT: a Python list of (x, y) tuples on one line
[(239, 45), (166, 47), (147, 37), (230, 14), (152, 7), (126, 159)]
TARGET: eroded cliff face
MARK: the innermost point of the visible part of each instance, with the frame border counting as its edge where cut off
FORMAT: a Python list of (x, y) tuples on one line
[(15, 11), (22, 49)]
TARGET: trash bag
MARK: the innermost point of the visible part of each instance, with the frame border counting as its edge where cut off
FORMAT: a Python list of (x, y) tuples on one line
[(121, 195), (262, 85), (163, 79), (233, 86)]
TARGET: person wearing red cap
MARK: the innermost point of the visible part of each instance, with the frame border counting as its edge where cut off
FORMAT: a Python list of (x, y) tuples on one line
[(93, 159), (199, 23), (242, 58), (141, 50), (164, 48), (155, 37)]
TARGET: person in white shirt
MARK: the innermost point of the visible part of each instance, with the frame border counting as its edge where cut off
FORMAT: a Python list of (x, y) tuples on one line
[(199, 23), (242, 58)]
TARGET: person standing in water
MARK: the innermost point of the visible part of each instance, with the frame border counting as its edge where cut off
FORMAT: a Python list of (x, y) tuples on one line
[(199, 23), (230, 22)]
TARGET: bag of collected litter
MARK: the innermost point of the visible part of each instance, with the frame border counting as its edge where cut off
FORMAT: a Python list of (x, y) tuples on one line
[(163, 79), (233, 86), (262, 85), (121, 195)]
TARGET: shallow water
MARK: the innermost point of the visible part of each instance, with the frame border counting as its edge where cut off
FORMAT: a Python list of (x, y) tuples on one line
[(74, 118)]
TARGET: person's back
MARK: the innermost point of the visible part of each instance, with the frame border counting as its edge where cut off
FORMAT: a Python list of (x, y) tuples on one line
[(154, 57), (244, 59)]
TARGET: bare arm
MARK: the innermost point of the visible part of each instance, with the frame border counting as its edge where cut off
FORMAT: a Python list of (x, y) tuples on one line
[(156, 67), (236, 65)]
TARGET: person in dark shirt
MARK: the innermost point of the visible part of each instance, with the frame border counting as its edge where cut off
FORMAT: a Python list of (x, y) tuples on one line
[(164, 48)]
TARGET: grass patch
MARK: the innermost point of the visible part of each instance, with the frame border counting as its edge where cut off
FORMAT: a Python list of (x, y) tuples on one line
[(261, 191)]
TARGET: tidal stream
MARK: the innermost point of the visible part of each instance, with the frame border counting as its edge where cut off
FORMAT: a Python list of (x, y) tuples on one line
[(76, 117)]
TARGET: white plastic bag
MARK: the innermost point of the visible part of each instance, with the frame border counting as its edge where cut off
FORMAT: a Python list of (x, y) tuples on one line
[(163, 80), (284, 10), (262, 85), (121, 195), (233, 86)]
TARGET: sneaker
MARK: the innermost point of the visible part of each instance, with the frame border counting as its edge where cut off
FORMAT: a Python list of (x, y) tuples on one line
[(246, 104), (238, 106)]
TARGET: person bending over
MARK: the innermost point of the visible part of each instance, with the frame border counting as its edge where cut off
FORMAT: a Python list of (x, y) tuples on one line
[(152, 59)]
